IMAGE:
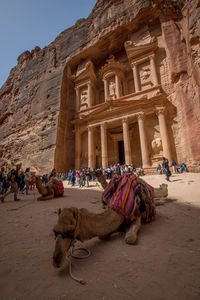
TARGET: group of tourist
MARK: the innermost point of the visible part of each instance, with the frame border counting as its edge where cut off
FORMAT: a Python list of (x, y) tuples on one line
[(82, 177), (19, 181), (16, 181), (165, 169)]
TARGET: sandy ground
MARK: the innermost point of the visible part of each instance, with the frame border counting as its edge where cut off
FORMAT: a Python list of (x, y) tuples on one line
[(163, 265)]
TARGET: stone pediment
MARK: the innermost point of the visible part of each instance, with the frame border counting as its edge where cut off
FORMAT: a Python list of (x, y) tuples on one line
[(112, 106), (133, 51), (85, 71)]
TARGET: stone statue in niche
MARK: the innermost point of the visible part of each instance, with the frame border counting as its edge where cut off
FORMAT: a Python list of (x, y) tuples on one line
[(84, 157), (111, 88), (157, 146), (83, 96), (145, 73)]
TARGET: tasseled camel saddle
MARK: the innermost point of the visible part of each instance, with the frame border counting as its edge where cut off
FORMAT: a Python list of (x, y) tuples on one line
[(121, 195)]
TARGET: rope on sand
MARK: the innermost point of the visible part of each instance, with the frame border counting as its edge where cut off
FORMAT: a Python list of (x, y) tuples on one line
[(72, 250)]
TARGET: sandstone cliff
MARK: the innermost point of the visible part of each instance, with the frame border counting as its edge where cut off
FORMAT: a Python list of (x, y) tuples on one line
[(36, 103)]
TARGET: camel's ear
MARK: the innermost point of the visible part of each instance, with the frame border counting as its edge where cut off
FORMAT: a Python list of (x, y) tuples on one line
[(59, 211)]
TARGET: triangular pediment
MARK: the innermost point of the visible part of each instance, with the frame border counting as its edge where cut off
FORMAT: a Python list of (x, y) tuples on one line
[(111, 106), (85, 71), (135, 51)]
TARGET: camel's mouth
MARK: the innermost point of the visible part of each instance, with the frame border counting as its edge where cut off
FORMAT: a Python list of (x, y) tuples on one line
[(61, 249)]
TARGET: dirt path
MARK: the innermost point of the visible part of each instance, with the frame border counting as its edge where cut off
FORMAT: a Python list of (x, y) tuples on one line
[(163, 265)]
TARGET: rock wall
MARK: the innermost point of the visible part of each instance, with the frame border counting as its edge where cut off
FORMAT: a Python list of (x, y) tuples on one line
[(37, 102), (182, 41)]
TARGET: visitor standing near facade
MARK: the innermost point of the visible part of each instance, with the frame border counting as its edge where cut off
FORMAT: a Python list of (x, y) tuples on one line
[(141, 172), (163, 165), (69, 177), (167, 170), (4, 185), (159, 169), (87, 177), (13, 178), (133, 168), (21, 182), (118, 170), (27, 179), (174, 164), (2, 177), (81, 178), (183, 168), (73, 177)]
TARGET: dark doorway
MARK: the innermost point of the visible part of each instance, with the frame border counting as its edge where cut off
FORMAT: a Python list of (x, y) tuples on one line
[(121, 152)]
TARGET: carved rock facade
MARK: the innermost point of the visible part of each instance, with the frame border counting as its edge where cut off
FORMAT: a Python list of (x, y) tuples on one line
[(123, 86)]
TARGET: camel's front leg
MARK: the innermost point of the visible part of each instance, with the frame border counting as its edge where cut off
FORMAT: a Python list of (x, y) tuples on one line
[(131, 235)]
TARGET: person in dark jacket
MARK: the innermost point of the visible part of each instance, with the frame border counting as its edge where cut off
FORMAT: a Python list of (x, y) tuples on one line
[(13, 179)]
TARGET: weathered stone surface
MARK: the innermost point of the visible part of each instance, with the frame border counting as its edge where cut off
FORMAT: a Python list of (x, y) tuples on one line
[(37, 102)]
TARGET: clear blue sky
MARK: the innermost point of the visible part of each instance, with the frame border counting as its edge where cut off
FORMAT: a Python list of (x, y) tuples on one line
[(25, 24)]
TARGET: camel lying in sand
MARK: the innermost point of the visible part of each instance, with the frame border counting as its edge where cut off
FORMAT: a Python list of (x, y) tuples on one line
[(50, 190), (161, 192), (80, 224)]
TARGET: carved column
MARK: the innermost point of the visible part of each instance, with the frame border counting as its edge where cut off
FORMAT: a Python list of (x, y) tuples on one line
[(136, 78), (89, 95), (164, 133), (153, 69), (143, 141), (105, 89), (77, 149), (77, 99), (117, 86), (104, 146), (91, 153), (127, 144)]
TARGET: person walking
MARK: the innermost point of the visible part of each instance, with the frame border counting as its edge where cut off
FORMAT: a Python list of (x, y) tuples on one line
[(27, 179), (13, 178), (73, 178), (167, 170)]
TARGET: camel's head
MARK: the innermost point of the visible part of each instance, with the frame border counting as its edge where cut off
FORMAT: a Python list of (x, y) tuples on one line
[(164, 188), (65, 232)]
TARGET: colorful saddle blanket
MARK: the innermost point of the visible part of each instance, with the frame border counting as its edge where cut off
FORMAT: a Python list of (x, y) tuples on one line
[(128, 194), (59, 188)]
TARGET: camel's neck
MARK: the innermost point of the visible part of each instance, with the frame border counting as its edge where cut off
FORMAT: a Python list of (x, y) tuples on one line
[(41, 189), (102, 180), (103, 224)]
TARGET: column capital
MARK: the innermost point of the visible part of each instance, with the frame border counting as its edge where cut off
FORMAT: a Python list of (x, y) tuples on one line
[(134, 64), (125, 120), (103, 125), (160, 110), (91, 128), (141, 116), (152, 56)]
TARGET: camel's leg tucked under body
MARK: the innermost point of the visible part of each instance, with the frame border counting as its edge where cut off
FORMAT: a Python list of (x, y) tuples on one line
[(48, 197), (131, 235)]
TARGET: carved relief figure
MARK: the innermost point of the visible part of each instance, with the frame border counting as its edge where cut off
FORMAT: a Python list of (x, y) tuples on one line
[(111, 88), (145, 73), (156, 145), (83, 96)]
